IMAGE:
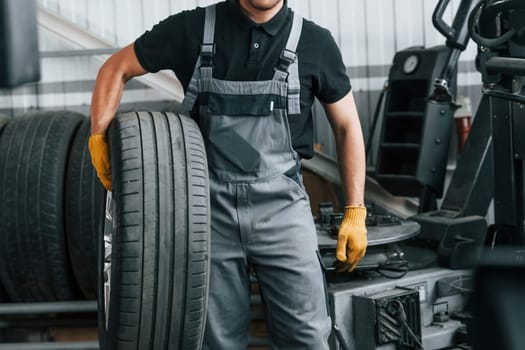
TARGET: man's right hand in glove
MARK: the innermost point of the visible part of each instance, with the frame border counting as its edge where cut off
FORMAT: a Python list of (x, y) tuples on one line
[(99, 150), (109, 86)]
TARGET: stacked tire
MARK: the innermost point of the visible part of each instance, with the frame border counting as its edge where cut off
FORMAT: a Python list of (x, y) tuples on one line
[(3, 294), (34, 151), (3, 121), (84, 199), (52, 237)]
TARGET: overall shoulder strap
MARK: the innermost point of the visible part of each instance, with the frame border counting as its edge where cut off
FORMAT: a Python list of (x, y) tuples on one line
[(288, 70), (205, 59), (295, 33), (208, 45)]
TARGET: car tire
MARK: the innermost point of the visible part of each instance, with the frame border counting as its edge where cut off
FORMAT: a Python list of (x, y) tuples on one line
[(160, 235), (84, 212), (3, 121), (3, 294), (34, 263)]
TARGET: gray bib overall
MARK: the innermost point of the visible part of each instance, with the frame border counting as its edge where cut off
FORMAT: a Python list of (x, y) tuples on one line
[(260, 211)]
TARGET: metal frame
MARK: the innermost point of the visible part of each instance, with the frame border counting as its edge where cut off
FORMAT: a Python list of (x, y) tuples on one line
[(44, 315), (509, 208)]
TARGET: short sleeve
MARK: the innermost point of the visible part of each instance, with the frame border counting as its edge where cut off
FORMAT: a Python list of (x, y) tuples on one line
[(172, 43), (333, 82), (154, 49)]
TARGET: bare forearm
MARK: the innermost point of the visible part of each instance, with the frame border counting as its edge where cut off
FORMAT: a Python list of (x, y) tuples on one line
[(352, 165), (106, 99), (112, 77), (345, 123)]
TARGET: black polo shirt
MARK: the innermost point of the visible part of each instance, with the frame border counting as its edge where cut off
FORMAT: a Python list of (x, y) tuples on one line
[(249, 51)]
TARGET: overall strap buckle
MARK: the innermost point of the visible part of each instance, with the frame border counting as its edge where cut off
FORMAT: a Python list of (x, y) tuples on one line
[(207, 53), (286, 59)]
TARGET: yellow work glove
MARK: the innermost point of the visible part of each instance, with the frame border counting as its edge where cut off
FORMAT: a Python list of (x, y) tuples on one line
[(99, 150), (351, 239)]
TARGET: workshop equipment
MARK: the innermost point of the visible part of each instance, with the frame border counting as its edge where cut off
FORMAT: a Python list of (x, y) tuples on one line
[(377, 307), (419, 111), (413, 149), (445, 228), (498, 27)]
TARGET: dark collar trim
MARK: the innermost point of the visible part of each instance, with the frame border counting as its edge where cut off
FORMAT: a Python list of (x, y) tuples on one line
[(271, 27)]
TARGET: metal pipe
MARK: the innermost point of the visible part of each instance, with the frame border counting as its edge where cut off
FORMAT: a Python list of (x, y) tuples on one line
[(48, 307), (506, 65), (77, 53), (51, 346), (46, 323)]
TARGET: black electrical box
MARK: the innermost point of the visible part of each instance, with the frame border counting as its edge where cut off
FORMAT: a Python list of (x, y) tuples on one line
[(414, 144), (393, 316), (19, 59)]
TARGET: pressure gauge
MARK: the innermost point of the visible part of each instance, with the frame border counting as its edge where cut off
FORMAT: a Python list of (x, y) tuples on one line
[(410, 64)]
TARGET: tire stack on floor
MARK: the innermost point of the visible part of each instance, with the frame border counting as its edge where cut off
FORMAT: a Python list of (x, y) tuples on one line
[(84, 201), (3, 294), (34, 151), (52, 219)]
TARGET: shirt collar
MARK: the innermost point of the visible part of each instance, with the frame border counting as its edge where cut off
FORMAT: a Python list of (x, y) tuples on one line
[(271, 27)]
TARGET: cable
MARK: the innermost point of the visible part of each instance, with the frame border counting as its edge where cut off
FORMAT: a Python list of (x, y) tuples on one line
[(340, 339), (456, 285), (396, 309)]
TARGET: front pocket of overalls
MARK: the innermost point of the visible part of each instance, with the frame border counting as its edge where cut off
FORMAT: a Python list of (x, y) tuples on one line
[(296, 182), (244, 105)]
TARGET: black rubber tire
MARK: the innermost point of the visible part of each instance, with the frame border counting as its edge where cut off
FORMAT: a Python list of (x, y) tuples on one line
[(160, 254), (3, 294), (4, 298), (34, 263), (84, 212), (3, 121)]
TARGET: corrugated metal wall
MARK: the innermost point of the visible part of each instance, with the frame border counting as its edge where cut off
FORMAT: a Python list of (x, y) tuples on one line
[(369, 32)]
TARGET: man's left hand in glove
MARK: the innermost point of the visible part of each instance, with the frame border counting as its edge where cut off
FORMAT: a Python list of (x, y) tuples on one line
[(352, 238)]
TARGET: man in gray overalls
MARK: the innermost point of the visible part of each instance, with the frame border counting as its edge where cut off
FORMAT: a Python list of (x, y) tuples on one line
[(254, 68)]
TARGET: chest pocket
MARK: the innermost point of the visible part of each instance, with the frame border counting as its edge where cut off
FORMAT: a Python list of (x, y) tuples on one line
[(243, 98), (245, 105)]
